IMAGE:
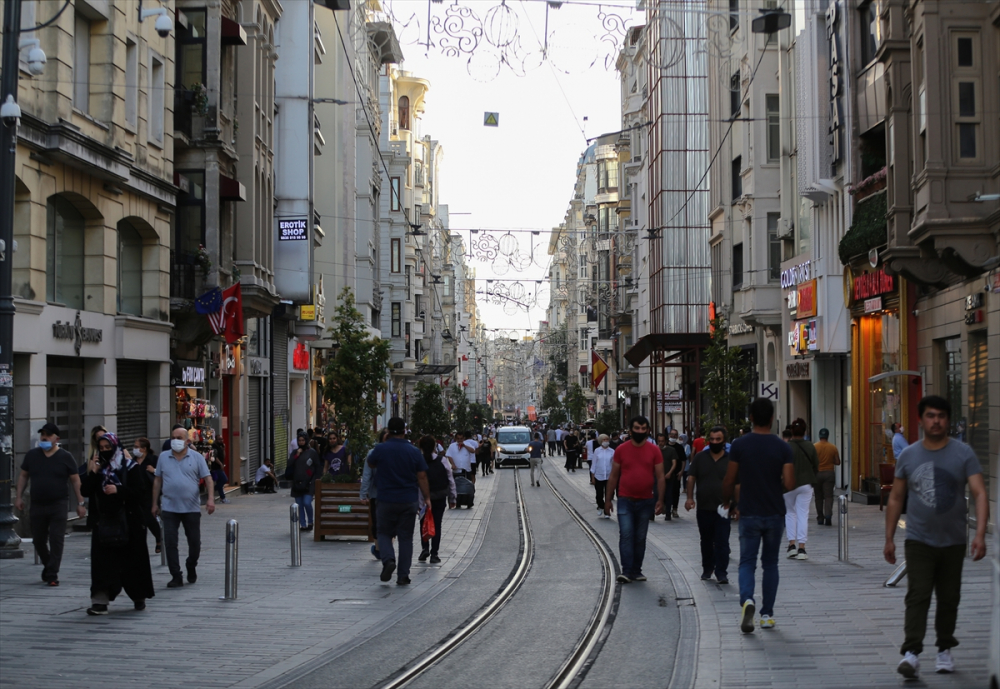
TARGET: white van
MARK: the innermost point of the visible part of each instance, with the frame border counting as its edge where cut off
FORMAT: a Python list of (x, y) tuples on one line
[(512, 446)]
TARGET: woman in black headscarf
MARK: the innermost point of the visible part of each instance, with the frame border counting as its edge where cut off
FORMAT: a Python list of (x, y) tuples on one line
[(119, 556)]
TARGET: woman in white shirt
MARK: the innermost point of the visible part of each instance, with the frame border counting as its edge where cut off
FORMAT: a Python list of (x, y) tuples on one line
[(600, 470)]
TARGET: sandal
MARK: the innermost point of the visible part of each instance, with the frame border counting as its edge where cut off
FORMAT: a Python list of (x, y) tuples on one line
[(54, 582)]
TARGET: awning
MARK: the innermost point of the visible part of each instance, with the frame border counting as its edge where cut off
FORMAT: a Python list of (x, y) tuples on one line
[(383, 37), (583, 368), (230, 189), (233, 33), (665, 342), (434, 369)]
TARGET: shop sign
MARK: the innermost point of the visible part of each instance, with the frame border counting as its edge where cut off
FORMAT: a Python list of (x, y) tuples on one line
[(806, 300), (803, 337), (797, 370), (974, 301), (796, 275), (307, 312), (768, 391), (793, 300), (293, 260), (227, 363), (300, 358), (996, 283), (76, 332), (872, 284), (193, 375), (836, 66), (872, 305), (260, 367), (740, 328)]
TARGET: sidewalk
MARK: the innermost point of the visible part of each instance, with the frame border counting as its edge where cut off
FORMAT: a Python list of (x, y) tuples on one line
[(836, 627), (283, 617)]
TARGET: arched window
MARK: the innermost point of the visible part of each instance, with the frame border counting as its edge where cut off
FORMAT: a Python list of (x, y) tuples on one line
[(404, 112), (129, 269), (64, 254)]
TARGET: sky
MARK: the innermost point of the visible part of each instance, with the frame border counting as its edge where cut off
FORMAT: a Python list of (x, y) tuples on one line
[(520, 174)]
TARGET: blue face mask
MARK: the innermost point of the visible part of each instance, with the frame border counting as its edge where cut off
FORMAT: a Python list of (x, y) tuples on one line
[(45, 444)]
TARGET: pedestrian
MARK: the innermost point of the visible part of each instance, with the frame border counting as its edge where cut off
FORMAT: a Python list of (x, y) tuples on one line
[(699, 442), (678, 475), (461, 453), (571, 445), (119, 556), (369, 494), (763, 466), (601, 460), (293, 445), (302, 469), (402, 472), (708, 470), (829, 458), (50, 471), (336, 459), (166, 443), (491, 440), (550, 437), (264, 480), (797, 500), (637, 475), (441, 485), (560, 434), (934, 473), (483, 456), (672, 466), (217, 465), (178, 474), (535, 451), (786, 434), (142, 452), (898, 440)]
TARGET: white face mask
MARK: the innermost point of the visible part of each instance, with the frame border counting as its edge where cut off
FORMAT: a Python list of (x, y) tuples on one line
[(605, 444), (178, 444), (673, 441), (137, 452)]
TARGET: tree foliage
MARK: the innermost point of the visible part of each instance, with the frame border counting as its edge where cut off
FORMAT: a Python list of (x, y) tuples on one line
[(576, 403), (355, 374), (428, 415), (480, 415), (608, 421), (557, 341), (460, 413), (726, 382), (557, 417), (550, 397)]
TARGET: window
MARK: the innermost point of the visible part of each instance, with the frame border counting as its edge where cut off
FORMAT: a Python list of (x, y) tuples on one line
[(406, 339), (965, 82), (191, 216), (737, 178), (607, 174), (129, 269), (131, 82), (734, 15), (81, 63), (64, 253), (734, 96), (965, 58), (773, 248), (395, 257), (773, 103), (871, 31), (156, 91), (409, 282), (583, 302), (737, 266), (394, 204), (397, 318), (951, 373), (583, 265), (191, 51), (584, 338), (447, 285), (404, 112)]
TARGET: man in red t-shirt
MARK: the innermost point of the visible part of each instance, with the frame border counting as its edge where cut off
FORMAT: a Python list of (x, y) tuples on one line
[(698, 444), (636, 470)]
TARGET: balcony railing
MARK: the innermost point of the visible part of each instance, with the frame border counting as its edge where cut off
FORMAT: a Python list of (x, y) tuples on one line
[(183, 276)]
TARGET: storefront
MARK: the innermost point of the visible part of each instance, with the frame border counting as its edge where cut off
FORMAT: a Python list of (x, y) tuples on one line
[(802, 344), (881, 344)]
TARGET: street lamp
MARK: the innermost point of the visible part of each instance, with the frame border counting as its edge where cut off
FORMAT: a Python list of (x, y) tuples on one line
[(771, 21)]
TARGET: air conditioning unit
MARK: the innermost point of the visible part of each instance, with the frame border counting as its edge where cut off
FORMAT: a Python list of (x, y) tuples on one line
[(786, 228)]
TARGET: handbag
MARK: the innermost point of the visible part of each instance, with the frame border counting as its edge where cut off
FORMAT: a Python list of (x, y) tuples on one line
[(427, 530)]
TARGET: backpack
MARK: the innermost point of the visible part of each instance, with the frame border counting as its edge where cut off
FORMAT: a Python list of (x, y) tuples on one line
[(437, 478)]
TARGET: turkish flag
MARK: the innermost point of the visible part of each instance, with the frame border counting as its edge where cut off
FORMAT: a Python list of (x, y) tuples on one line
[(228, 320)]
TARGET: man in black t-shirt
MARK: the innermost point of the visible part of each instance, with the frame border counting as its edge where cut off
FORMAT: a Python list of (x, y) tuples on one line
[(49, 468), (708, 469)]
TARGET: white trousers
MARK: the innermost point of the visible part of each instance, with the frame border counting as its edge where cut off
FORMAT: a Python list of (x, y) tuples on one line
[(797, 513)]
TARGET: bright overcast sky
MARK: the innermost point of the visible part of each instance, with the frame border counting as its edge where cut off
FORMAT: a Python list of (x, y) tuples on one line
[(519, 175)]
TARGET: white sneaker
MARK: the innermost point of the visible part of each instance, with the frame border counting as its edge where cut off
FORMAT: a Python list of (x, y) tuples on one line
[(944, 662), (766, 622), (909, 665)]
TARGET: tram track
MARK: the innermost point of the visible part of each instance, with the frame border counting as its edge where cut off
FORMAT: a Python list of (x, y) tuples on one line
[(573, 668)]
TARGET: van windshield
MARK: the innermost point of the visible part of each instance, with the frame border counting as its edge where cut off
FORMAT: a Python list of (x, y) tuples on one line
[(513, 437)]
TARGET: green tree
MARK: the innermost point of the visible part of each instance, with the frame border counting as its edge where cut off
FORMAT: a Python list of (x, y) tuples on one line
[(557, 342), (576, 403), (459, 408), (480, 415), (557, 417), (550, 397), (355, 375), (726, 381), (608, 421), (428, 415)]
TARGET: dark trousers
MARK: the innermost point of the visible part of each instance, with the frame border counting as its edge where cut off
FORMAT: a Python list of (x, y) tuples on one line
[(552, 447), (154, 526), (673, 493), (373, 511), (437, 509), (937, 570), (600, 488), (266, 485), (396, 519), (714, 532), (572, 460), (48, 533), (823, 491), (192, 530)]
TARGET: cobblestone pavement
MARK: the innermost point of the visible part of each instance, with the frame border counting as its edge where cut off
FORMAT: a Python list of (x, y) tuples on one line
[(837, 626), (187, 637)]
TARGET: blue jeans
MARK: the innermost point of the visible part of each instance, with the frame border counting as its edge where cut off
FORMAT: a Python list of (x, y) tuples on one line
[(753, 532), (633, 523), (305, 503)]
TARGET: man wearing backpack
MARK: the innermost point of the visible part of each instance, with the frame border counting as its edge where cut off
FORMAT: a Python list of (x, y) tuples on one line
[(798, 499)]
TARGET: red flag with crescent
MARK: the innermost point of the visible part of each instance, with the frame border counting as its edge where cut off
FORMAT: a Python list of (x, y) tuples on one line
[(228, 320)]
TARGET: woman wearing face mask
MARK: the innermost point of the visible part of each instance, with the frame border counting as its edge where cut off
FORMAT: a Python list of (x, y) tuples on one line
[(600, 469), (119, 557), (146, 459)]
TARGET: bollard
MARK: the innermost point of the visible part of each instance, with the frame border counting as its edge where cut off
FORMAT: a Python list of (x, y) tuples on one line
[(232, 558), (163, 544), (896, 576), (295, 535), (842, 531)]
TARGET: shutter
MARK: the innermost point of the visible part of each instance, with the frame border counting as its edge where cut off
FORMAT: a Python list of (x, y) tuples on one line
[(279, 381), (132, 392), (255, 428)]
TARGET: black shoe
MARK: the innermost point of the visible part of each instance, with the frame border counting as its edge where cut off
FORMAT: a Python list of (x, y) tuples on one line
[(139, 605), (827, 522), (423, 556), (538, 484), (722, 581), (387, 569), (192, 576), (403, 581), (175, 583), (706, 576), (435, 559), (98, 609), (668, 517), (819, 521)]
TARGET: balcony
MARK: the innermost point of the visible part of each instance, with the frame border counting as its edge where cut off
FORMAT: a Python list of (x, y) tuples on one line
[(185, 277), (759, 305)]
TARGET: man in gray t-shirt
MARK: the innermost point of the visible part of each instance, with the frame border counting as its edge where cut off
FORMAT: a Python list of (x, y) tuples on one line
[(933, 473)]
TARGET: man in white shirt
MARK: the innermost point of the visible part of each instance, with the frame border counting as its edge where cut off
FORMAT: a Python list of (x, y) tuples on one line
[(265, 479), (462, 455)]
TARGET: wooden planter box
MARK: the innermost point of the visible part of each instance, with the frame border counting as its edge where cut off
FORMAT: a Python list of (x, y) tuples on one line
[(339, 511)]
